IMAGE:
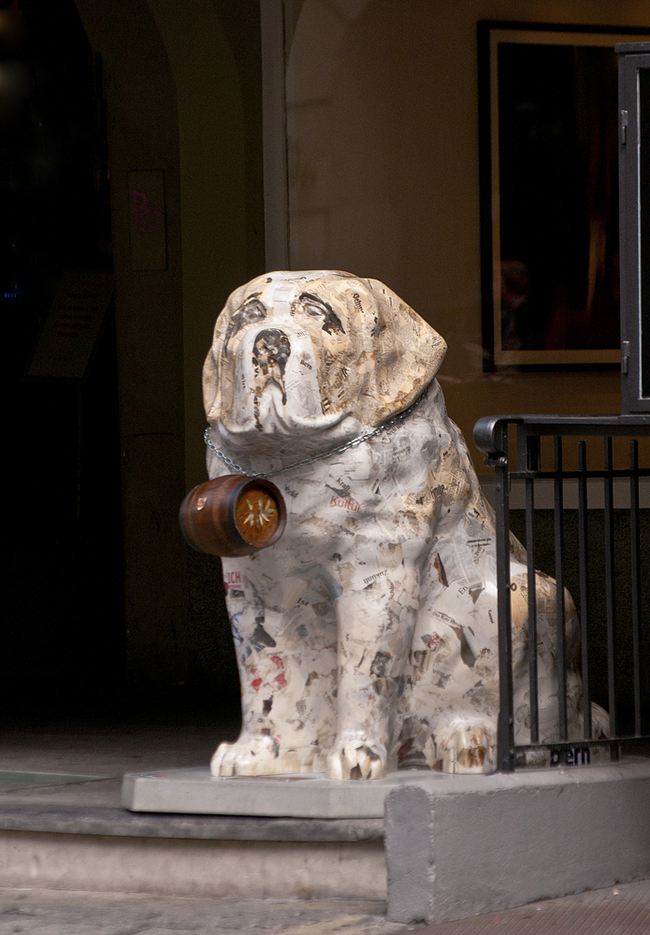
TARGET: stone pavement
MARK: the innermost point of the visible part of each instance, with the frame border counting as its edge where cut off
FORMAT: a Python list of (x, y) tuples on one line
[(622, 910)]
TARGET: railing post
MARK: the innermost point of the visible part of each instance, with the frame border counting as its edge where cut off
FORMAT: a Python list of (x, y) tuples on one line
[(558, 522), (583, 560), (505, 727), (530, 447), (610, 573), (635, 558)]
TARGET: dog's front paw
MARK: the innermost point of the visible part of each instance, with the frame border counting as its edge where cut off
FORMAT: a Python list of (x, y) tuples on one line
[(468, 749), (354, 756), (264, 756), (244, 757)]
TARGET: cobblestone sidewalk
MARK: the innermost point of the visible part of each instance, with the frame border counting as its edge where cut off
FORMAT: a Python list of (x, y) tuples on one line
[(622, 910)]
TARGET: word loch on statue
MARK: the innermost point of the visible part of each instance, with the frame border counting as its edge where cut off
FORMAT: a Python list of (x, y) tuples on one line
[(361, 579)]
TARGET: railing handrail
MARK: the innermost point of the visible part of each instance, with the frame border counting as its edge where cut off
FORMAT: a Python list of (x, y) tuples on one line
[(488, 431)]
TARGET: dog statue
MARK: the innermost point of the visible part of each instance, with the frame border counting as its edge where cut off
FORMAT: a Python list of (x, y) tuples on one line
[(366, 637)]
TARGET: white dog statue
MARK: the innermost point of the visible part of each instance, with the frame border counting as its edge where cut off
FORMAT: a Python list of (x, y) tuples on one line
[(366, 637)]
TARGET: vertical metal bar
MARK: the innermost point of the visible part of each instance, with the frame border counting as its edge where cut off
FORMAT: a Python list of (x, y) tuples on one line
[(532, 610), (609, 580), (505, 727), (583, 559), (635, 558), (558, 524)]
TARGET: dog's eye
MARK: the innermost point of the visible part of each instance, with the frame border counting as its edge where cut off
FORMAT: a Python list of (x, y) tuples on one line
[(250, 312), (316, 308), (313, 305), (316, 311)]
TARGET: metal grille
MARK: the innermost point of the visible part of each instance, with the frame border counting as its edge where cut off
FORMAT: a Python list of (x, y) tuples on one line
[(587, 457)]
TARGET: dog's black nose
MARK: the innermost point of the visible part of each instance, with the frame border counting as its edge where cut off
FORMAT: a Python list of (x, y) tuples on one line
[(272, 346)]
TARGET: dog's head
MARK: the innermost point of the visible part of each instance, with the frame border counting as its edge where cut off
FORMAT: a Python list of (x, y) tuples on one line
[(303, 351)]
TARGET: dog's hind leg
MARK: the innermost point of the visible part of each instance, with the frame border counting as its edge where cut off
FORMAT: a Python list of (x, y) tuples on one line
[(450, 700), (451, 696), (547, 659)]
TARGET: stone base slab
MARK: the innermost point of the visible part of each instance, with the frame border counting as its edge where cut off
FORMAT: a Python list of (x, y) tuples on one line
[(195, 791), (455, 845)]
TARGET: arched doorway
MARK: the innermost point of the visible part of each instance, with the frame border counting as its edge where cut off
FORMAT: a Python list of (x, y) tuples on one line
[(63, 636)]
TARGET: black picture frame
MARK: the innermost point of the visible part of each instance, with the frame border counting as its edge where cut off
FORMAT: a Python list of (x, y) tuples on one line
[(548, 126)]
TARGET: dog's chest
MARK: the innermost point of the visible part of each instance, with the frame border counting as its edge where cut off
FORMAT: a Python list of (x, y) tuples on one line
[(347, 523)]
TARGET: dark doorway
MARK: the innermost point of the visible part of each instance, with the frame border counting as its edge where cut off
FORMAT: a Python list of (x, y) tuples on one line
[(62, 642)]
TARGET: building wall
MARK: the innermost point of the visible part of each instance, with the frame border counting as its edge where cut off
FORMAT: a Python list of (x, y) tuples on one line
[(214, 56), (383, 158), (183, 90), (143, 135), (384, 173)]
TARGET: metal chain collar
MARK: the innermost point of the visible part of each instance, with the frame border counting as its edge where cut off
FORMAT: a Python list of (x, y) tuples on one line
[(325, 454)]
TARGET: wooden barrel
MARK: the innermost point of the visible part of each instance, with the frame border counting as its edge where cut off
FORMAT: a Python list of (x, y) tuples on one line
[(233, 515)]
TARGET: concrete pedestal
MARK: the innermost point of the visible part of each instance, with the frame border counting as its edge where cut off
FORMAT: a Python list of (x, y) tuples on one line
[(195, 791), (536, 836), (455, 846)]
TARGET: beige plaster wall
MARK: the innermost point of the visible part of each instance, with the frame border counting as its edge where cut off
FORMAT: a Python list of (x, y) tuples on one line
[(384, 173), (212, 161), (210, 46), (182, 91)]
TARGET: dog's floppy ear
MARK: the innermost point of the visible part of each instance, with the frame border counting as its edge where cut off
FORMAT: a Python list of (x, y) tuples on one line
[(211, 394), (213, 390), (407, 351)]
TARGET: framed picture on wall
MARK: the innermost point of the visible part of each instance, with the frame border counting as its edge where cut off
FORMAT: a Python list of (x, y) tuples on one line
[(549, 194)]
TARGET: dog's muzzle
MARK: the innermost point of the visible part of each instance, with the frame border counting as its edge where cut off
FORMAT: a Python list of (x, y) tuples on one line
[(271, 351)]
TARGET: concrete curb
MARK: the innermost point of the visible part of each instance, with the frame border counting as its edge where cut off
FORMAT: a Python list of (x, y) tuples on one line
[(455, 855)]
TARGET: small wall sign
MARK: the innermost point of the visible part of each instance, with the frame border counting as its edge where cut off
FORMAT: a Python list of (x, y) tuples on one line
[(72, 327)]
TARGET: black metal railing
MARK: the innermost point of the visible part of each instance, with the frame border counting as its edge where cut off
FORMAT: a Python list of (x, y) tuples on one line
[(603, 563)]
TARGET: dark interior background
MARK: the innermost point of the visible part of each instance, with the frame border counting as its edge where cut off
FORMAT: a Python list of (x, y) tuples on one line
[(64, 640)]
